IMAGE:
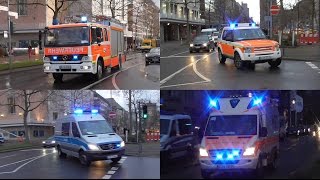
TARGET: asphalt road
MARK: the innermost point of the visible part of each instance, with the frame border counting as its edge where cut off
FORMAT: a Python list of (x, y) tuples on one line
[(197, 71), (296, 155), (134, 75), (45, 164)]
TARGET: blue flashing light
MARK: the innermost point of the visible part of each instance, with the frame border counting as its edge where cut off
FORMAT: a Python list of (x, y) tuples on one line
[(253, 25), (94, 111), (232, 26), (78, 111), (213, 103), (55, 57), (84, 19), (257, 101), (230, 156), (219, 157), (235, 153), (118, 145), (75, 57)]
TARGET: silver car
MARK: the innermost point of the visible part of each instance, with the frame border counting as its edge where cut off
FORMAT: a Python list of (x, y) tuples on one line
[(50, 142)]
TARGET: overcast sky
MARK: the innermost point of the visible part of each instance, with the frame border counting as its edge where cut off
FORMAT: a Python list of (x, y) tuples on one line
[(157, 2), (254, 7), (152, 95)]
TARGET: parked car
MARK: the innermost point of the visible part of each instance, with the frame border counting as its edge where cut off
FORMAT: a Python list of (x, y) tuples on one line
[(293, 131), (1, 138), (153, 56), (50, 142), (202, 42)]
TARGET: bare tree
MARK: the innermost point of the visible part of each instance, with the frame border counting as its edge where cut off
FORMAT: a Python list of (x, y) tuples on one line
[(27, 101)]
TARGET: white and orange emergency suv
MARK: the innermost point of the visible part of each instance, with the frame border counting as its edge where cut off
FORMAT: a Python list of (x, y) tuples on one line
[(83, 48), (246, 44), (241, 135)]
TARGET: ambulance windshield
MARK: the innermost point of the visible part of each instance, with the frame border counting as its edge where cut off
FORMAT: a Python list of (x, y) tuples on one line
[(71, 36), (232, 125), (248, 34), (95, 127)]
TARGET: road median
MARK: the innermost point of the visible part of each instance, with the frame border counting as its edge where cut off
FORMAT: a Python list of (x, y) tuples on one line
[(9, 147)]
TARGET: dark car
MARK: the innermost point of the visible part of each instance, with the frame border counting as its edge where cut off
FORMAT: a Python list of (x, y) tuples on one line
[(153, 56), (50, 142), (202, 42), (293, 131), (3, 50), (1, 138)]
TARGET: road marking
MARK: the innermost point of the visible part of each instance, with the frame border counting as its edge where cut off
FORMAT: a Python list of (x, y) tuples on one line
[(115, 75), (184, 84), (7, 156), (180, 70), (175, 54), (179, 56), (113, 170), (32, 159), (33, 149), (313, 66), (199, 74), (106, 177)]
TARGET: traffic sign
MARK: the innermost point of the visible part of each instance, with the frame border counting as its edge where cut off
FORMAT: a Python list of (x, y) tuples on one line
[(112, 114), (274, 10)]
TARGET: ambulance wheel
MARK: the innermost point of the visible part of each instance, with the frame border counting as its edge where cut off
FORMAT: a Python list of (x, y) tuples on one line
[(275, 63), (274, 164), (115, 160), (205, 174), (222, 59), (84, 160), (99, 73), (237, 61), (258, 172), (57, 77), (60, 153)]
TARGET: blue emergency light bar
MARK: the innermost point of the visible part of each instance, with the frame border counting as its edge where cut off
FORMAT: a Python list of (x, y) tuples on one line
[(234, 25), (215, 103), (80, 111), (84, 19)]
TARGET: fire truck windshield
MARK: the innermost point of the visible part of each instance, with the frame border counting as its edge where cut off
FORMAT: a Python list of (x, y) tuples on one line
[(232, 125), (248, 34), (70, 36), (95, 127)]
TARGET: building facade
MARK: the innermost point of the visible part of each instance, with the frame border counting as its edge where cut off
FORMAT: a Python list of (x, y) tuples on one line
[(174, 19)]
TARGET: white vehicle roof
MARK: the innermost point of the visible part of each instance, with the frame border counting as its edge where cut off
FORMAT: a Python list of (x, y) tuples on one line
[(241, 26), (209, 30), (174, 117), (81, 117)]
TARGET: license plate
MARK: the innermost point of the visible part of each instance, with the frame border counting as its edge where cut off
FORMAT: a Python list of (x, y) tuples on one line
[(225, 166), (65, 67), (197, 47), (265, 57), (113, 156)]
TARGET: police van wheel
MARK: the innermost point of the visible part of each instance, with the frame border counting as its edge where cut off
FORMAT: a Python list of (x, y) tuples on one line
[(115, 160), (237, 61), (57, 77), (60, 153), (275, 63), (222, 59), (84, 159)]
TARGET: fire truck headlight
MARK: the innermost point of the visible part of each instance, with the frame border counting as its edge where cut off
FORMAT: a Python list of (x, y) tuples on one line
[(85, 67), (203, 152), (249, 151), (93, 147), (47, 68), (85, 58)]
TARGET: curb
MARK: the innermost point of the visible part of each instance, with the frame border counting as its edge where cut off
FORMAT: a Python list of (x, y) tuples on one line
[(5, 72), (17, 149)]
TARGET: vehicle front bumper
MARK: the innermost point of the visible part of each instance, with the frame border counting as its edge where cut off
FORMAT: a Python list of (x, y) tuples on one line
[(60, 67), (261, 57), (247, 164), (153, 59), (198, 48), (104, 155)]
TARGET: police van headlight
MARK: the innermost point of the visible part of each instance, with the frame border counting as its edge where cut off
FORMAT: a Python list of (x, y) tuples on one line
[(93, 147), (85, 58), (122, 144), (247, 50)]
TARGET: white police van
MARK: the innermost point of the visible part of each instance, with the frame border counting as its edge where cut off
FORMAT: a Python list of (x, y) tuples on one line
[(87, 136)]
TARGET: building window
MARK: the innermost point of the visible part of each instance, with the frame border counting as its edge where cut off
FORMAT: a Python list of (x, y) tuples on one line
[(23, 43), (22, 7), (55, 115), (35, 133), (41, 133), (11, 105)]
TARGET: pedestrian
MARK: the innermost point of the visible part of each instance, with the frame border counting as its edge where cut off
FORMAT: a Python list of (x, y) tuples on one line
[(29, 51)]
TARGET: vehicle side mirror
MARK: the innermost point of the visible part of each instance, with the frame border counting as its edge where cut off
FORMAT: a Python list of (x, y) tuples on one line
[(263, 132), (173, 133)]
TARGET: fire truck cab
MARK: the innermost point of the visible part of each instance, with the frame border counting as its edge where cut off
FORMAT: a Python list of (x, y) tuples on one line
[(83, 48), (241, 135)]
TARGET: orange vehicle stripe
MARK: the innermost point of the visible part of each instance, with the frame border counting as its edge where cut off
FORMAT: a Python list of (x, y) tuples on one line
[(115, 28)]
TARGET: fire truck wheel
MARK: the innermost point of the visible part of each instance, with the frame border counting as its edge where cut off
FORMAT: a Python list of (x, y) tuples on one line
[(275, 63), (57, 77), (222, 59), (237, 61), (99, 70)]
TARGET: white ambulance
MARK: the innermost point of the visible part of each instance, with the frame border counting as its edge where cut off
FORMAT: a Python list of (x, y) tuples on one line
[(241, 134), (87, 136)]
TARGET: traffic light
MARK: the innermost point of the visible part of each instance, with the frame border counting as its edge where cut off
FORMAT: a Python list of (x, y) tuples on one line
[(11, 27), (145, 111)]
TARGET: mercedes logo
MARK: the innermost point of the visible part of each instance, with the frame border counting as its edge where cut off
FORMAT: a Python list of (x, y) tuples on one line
[(65, 58)]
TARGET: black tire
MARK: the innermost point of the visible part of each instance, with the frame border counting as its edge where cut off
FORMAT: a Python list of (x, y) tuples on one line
[(258, 172), (237, 61), (60, 153), (252, 66), (275, 63), (274, 164), (205, 174), (57, 77), (84, 160), (115, 160), (222, 58), (147, 63), (100, 70)]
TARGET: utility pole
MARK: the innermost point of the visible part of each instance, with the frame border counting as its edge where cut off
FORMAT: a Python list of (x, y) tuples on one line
[(130, 112), (9, 36), (270, 20)]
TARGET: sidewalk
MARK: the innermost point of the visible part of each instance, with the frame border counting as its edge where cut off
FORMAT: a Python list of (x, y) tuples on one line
[(173, 47), (151, 149), (302, 53)]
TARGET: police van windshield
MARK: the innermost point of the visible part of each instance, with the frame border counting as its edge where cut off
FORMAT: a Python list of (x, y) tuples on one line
[(72, 36), (164, 126), (94, 127), (248, 34), (232, 125)]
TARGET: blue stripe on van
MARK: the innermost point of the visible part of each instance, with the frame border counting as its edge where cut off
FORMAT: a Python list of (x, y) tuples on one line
[(71, 140)]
